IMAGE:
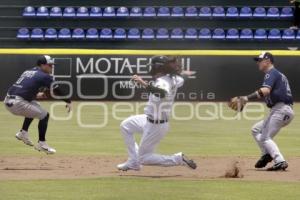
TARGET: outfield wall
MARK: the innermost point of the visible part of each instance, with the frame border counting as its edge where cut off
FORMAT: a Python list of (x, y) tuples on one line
[(105, 74)]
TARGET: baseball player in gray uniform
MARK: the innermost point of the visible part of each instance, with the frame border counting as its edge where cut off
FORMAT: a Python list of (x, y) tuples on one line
[(278, 96), (20, 100)]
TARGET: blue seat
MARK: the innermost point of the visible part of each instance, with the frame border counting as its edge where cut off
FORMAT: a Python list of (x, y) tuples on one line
[(42, 12), (259, 12), (162, 33), (37, 33), (56, 12), (134, 33), (273, 12), (246, 12), (149, 12), (298, 35), (191, 33), (288, 34), (148, 33), (260, 34), (50, 34), (106, 33), (69, 12), (23, 33), (122, 12), (120, 33), (191, 11), (82, 12), (109, 12), (246, 34), (232, 34), (29, 11), (95, 12), (205, 12), (92, 34), (232, 12), (286, 12), (177, 12), (218, 33), (218, 12), (163, 12), (64, 34), (136, 12), (205, 33), (78, 33), (177, 33), (274, 34)]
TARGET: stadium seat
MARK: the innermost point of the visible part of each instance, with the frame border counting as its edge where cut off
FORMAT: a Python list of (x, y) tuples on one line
[(218, 12), (82, 12), (246, 34), (92, 34), (122, 12), (286, 12), (163, 12), (204, 33), (37, 33), (259, 12), (50, 34), (274, 34), (246, 12), (120, 33), (191, 33), (56, 12), (78, 33), (162, 33), (148, 33), (205, 12), (23, 33), (69, 12), (149, 12), (177, 12), (134, 33), (273, 12), (218, 33), (29, 11), (136, 12), (177, 33), (232, 34), (232, 12), (288, 34), (109, 12), (191, 11), (64, 34), (42, 12), (260, 34), (95, 12), (106, 33)]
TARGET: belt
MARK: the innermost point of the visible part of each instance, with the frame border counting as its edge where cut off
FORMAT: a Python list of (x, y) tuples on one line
[(11, 96), (156, 121)]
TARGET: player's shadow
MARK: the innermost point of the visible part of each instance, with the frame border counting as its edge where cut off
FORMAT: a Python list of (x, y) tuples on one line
[(151, 176), (26, 169)]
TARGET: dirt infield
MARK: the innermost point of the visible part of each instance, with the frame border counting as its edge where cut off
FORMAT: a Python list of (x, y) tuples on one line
[(71, 167)]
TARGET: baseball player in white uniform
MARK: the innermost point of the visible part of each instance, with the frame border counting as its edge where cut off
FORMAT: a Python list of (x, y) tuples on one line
[(153, 124)]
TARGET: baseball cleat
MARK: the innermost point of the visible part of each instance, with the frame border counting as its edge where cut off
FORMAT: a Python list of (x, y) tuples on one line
[(279, 166), (263, 161), (190, 163), (43, 146), (128, 166), (24, 136)]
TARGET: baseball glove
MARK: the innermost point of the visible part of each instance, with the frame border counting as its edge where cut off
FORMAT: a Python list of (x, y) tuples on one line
[(237, 103)]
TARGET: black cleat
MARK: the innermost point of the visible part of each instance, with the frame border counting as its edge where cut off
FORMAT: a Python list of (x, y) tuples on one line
[(263, 161), (279, 166), (190, 163)]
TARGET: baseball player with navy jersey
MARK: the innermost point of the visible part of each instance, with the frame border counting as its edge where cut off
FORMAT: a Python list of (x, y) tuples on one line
[(154, 123), (277, 94), (21, 96)]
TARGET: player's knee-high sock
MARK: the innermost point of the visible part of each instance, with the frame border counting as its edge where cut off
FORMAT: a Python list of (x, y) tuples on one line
[(26, 123), (43, 125)]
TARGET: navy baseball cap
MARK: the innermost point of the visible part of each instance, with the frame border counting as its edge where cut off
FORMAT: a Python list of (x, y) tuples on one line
[(45, 60), (265, 56), (161, 60)]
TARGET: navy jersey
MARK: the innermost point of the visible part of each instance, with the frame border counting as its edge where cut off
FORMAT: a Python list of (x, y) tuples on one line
[(29, 83), (280, 88)]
